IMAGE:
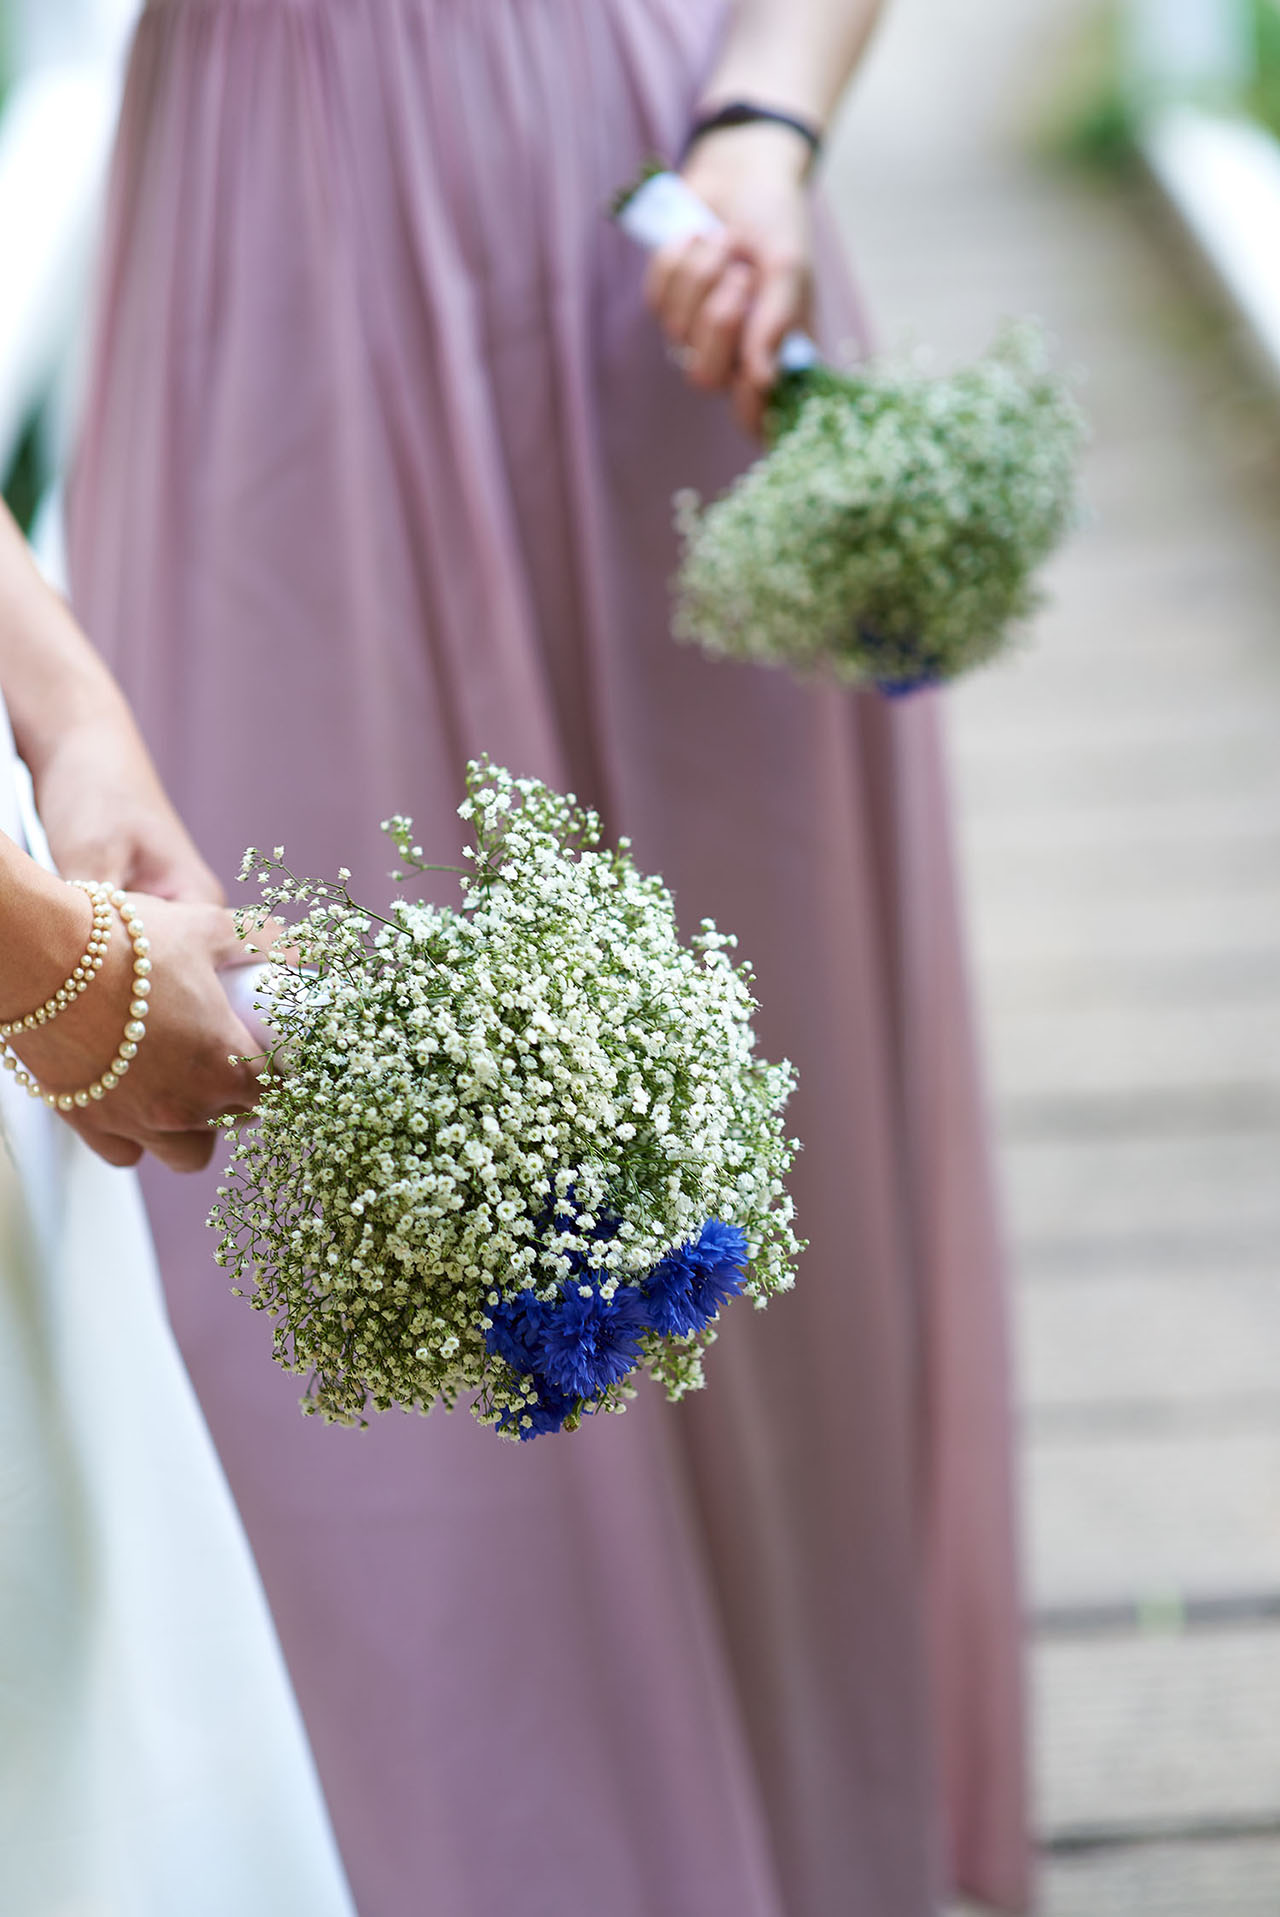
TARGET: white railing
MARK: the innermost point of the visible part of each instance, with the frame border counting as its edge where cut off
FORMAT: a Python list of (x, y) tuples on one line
[(55, 139), (45, 32), (1189, 50), (1190, 65)]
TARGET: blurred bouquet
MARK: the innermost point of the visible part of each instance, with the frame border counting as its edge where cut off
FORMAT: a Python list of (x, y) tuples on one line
[(891, 532), (519, 1149)]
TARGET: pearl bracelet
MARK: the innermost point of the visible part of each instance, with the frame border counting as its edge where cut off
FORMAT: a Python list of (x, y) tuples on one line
[(134, 1032), (91, 961)]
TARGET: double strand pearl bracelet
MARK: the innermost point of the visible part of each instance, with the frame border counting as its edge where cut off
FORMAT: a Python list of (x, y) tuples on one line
[(91, 962), (134, 1032)]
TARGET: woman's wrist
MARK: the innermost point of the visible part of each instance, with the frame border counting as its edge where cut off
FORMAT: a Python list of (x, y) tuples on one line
[(762, 149), (89, 962), (78, 1058), (802, 135), (45, 927), (75, 1049)]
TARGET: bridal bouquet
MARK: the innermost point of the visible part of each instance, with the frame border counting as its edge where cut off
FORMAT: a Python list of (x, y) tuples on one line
[(519, 1149), (892, 531)]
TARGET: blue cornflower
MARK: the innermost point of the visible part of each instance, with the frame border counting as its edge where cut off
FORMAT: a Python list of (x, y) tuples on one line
[(516, 1328), (547, 1413), (903, 688), (898, 685), (686, 1290), (578, 1344), (589, 1343)]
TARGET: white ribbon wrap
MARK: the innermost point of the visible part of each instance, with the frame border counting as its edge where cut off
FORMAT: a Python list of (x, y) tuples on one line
[(245, 986)]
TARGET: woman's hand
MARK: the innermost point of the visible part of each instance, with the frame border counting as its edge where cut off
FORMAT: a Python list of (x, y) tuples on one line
[(727, 300), (182, 1077), (107, 816)]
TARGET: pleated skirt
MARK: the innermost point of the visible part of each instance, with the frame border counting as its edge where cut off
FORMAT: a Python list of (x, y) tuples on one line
[(375, 475)]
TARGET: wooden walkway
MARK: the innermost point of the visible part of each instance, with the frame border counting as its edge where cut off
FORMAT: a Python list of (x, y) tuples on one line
[(1119, 789)]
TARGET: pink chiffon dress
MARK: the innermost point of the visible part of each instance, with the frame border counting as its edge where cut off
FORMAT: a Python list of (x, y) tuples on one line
[(376, 474)]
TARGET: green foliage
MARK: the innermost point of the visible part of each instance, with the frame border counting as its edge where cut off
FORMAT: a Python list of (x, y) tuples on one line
[(1090, 117), (1094, 115), (26, 481), (1264, 98)]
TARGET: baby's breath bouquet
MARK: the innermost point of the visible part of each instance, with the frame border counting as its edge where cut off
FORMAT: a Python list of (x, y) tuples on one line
[(516, 1150), (892, 531)]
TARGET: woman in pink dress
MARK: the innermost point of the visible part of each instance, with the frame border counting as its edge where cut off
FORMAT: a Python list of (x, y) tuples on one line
[(376, 475)]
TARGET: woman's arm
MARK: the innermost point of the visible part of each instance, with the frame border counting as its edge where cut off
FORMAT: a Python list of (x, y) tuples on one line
[(103, 807), (728, 300), (77, 735), (798, 55)]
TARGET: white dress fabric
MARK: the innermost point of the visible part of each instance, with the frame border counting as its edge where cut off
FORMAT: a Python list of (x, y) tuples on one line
[(152, 1759)]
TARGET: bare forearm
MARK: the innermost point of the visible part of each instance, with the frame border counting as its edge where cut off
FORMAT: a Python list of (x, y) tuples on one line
[(103, 807), (53, 680), (108, 819), (798, 55)]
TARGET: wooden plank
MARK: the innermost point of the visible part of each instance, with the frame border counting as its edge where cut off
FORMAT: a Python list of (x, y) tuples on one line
[(1234, 1877), (1181, 1340), (1140, 1515), (1119, 788), (1158, 1732), (1096, 1049), (1106, 1188)]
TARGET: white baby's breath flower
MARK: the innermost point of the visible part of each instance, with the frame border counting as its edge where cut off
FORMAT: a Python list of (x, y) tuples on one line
[(451, 1080), (893, 531)]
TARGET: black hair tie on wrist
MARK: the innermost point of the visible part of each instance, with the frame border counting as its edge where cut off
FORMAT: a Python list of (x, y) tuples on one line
[(747, 113)]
